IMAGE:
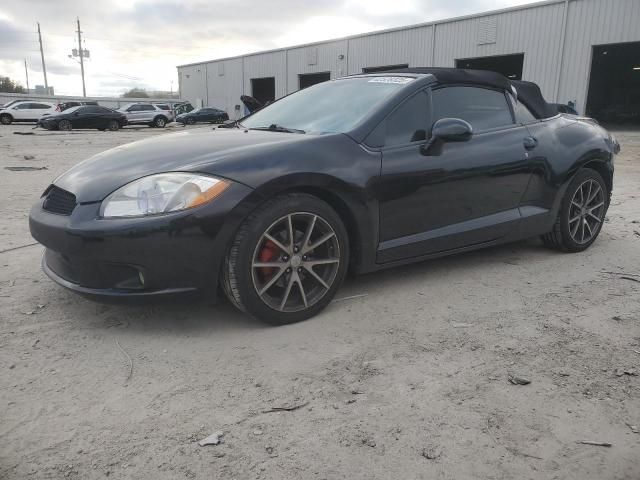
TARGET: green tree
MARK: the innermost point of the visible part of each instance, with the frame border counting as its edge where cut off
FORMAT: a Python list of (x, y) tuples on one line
[(136, 93), (9, 86)]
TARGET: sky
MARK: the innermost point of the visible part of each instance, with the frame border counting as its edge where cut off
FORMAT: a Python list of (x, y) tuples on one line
[(138, 43)]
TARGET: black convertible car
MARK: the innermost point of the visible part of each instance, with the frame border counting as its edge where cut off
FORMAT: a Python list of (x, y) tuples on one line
[(88, 116), (361, 173)]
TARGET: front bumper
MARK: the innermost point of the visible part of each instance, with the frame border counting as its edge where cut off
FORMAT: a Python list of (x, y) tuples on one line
[(138, 257)]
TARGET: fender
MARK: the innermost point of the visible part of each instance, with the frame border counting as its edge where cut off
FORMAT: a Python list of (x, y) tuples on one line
[(355, 206)]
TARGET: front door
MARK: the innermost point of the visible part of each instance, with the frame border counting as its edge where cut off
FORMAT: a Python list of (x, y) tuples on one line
[(457, 194)]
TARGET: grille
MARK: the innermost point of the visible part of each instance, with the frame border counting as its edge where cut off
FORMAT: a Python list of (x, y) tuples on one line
[(57, 200)]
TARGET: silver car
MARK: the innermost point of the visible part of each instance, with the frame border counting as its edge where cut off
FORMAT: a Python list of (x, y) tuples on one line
[(146, 114)]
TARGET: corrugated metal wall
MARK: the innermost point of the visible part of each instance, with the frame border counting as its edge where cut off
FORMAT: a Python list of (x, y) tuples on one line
[(535, 30), (262, 65), (193, 85), (224, 86), (412, 46), (591, 23), (316, 59)]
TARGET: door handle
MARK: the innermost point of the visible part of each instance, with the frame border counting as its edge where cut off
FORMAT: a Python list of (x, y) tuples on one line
[(530, 143)]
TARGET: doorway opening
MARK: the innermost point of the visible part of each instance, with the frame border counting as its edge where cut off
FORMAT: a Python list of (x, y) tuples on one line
[(508, 65), (614, 86), (263, 89), (307, 79)]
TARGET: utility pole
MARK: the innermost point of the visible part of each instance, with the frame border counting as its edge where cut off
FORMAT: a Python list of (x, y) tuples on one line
[(81, 53), (26, 72), (44, 68)]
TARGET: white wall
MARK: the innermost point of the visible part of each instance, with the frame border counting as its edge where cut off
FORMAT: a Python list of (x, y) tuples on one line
[(316, 59), (413, 47), (591, 23), (224, 86), (537, 30)]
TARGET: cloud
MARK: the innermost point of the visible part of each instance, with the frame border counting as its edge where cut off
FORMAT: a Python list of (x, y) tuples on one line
[(140, 42)]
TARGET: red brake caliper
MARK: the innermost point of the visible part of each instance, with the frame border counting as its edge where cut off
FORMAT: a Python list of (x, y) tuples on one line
[(268, 253)]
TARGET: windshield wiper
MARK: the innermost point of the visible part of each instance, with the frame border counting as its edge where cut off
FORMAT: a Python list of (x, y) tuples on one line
[(278, 128)]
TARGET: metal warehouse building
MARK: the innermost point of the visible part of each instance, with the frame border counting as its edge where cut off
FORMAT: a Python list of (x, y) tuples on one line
[(581, 51)]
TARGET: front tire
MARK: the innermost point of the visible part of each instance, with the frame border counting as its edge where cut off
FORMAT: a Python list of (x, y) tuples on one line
[(287, 260), (6, 119), (581, 215), (190, 121), (113, 125), (64, 125)]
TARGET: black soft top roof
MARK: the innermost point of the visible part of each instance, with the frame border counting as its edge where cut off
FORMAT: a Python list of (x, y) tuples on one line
[(528, 92)]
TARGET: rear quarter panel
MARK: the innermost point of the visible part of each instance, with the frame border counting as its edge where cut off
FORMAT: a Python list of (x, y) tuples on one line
[(565, 145)]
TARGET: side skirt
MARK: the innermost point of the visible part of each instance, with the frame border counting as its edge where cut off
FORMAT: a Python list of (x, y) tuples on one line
[(505, 227)]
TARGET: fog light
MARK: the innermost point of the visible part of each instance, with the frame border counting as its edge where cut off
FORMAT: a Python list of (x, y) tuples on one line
[(141, 277)]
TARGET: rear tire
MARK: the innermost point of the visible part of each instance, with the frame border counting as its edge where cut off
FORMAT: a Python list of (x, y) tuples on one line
[(301, 276), (6, 119), (582, 213), (160, 122)]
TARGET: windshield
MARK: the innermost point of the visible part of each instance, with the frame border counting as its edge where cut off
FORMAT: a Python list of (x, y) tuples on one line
[(69, 110), (329, 107), (7, 105)]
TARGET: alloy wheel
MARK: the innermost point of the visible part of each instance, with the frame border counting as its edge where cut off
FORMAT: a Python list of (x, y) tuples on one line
[(295, 262), (64, 125), (586, 212)]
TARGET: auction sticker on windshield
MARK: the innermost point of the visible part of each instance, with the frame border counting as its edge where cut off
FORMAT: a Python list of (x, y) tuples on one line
[(398, 80)]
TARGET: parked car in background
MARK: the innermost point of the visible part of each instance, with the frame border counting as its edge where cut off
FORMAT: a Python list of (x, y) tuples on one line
[(25, 111), (84, 116), (13, 102), (359, 173), (61, 107), (145, 114), (205, 114), (168, 109), (184, 107)]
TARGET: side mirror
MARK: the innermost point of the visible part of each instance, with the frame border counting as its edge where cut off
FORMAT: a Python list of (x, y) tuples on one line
[(448, 130), (452, 130)]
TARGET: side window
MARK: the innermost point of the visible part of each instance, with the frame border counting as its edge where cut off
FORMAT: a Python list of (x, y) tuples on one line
[(147, 108), (409, 122), (40, 106), (484, 109), (522, 113), (133, 108), (23, 106)]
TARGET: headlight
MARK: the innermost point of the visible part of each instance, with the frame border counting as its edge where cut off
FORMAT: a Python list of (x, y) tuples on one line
[(162, 193)]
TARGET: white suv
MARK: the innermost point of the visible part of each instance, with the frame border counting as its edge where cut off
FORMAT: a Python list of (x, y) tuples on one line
[(147, 114), (26, 111)]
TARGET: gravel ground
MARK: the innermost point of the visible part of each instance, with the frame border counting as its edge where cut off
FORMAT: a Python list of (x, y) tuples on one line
[(407, 380)]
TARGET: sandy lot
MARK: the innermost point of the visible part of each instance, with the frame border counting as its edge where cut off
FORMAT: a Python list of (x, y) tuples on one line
[(407, 381)]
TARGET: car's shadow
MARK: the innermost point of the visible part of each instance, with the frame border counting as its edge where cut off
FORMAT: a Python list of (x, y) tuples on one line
[(198, 316)]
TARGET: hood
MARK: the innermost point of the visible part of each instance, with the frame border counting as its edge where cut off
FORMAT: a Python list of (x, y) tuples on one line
[(218, 152)]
